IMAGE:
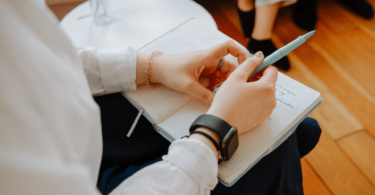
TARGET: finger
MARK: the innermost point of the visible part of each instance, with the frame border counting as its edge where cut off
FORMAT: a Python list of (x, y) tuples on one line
[(213, 83), (204, 81), (197, 90), (270, 75), (256, 77), (210, 76), (245, 69), (228, 66), (228, 47), (226, 70), (218, 74)]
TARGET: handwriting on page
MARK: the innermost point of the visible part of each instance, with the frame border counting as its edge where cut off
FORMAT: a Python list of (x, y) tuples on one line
[(291, 96), (292, 100), (281, 92)]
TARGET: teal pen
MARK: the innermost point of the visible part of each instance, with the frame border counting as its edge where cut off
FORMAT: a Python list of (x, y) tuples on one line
[(278, 54)]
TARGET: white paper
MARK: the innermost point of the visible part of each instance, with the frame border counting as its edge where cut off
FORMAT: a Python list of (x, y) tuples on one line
[(174, 111)]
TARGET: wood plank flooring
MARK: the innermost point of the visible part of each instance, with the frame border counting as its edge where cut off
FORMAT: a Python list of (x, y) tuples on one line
[(339, 62), (311, 181)]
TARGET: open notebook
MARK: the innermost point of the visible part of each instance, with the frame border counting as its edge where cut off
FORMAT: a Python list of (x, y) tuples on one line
[(172, 112)]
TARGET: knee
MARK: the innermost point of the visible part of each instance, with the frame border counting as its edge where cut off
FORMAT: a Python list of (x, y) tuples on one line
[(311, 125)]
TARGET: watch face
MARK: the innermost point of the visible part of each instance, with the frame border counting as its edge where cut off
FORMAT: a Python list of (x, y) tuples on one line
[(230, 144), (233, 145)]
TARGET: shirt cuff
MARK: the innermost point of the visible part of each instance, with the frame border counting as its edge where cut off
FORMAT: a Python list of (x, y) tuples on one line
[(196, 159), (118, 69)]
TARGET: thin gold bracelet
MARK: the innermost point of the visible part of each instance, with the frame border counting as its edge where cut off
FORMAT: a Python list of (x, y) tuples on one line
[(152, 56)]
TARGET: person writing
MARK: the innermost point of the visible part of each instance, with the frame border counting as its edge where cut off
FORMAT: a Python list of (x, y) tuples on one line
[(51, 139)]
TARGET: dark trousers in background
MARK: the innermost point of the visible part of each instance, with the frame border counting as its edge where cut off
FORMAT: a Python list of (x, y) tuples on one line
[(277, 173)]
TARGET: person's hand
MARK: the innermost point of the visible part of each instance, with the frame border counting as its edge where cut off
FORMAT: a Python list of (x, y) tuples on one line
[(246, 105), (182, 72)]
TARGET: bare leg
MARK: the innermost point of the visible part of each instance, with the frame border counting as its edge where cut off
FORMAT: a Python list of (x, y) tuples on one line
[(264, 19), (245, 5), (261, 35)]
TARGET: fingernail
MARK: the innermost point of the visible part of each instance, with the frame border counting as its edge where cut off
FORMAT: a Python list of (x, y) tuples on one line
[(259, 54)]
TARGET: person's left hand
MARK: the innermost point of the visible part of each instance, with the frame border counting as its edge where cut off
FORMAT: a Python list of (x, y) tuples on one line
[(181, 72)]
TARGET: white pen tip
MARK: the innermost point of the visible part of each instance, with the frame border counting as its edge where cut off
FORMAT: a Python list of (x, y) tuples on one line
[(308, 35)]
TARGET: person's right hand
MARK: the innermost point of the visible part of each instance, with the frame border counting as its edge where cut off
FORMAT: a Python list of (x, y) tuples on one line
[(246, 105)]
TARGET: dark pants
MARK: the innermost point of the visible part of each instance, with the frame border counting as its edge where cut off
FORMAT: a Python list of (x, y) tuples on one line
[(277, 173)]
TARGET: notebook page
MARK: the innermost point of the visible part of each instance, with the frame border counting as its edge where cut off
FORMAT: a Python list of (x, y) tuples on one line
[(191, 36), (178, 124), (293, 100), (160, 102)]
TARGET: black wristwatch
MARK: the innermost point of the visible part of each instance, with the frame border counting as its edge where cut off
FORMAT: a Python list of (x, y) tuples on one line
[(228, 135)]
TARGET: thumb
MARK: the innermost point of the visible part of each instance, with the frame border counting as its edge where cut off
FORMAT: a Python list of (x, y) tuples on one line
[(199, 91), (245, 69)]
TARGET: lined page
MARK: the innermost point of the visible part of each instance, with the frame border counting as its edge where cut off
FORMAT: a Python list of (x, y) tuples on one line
[(178, 124), (174, 112), (294, 100), (161, 102), (191, 36)]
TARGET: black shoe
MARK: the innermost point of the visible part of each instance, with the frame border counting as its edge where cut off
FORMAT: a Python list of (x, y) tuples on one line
[(305, 14), (360, 7), (267, 47), (247, 21)]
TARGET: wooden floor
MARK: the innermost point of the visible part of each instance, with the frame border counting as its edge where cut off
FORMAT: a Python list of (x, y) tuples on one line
[(339, 62)]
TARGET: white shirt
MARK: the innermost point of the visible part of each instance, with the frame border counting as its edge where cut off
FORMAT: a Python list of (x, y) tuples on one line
[(50, 131)]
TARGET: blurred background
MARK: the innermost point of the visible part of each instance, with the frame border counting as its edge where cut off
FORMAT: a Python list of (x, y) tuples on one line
[(339, 62)]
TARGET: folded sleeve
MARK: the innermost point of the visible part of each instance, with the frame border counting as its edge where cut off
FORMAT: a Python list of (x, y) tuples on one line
[(109, 71), (189, 168)]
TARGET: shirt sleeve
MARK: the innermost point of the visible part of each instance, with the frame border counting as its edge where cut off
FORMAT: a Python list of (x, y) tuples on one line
[(109, 71), (189, 168)]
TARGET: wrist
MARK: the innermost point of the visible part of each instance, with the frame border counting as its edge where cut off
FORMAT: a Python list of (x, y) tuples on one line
[(207, 141), (157, 69), (210, 133), (227, 135), (141, 68), (216, 112)]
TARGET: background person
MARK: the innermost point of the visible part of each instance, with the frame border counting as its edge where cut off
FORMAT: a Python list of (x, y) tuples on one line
[(257, 19), (305, 14)]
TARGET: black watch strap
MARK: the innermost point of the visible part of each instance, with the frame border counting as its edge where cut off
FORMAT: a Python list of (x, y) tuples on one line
[(208, 137), (218, 125)]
